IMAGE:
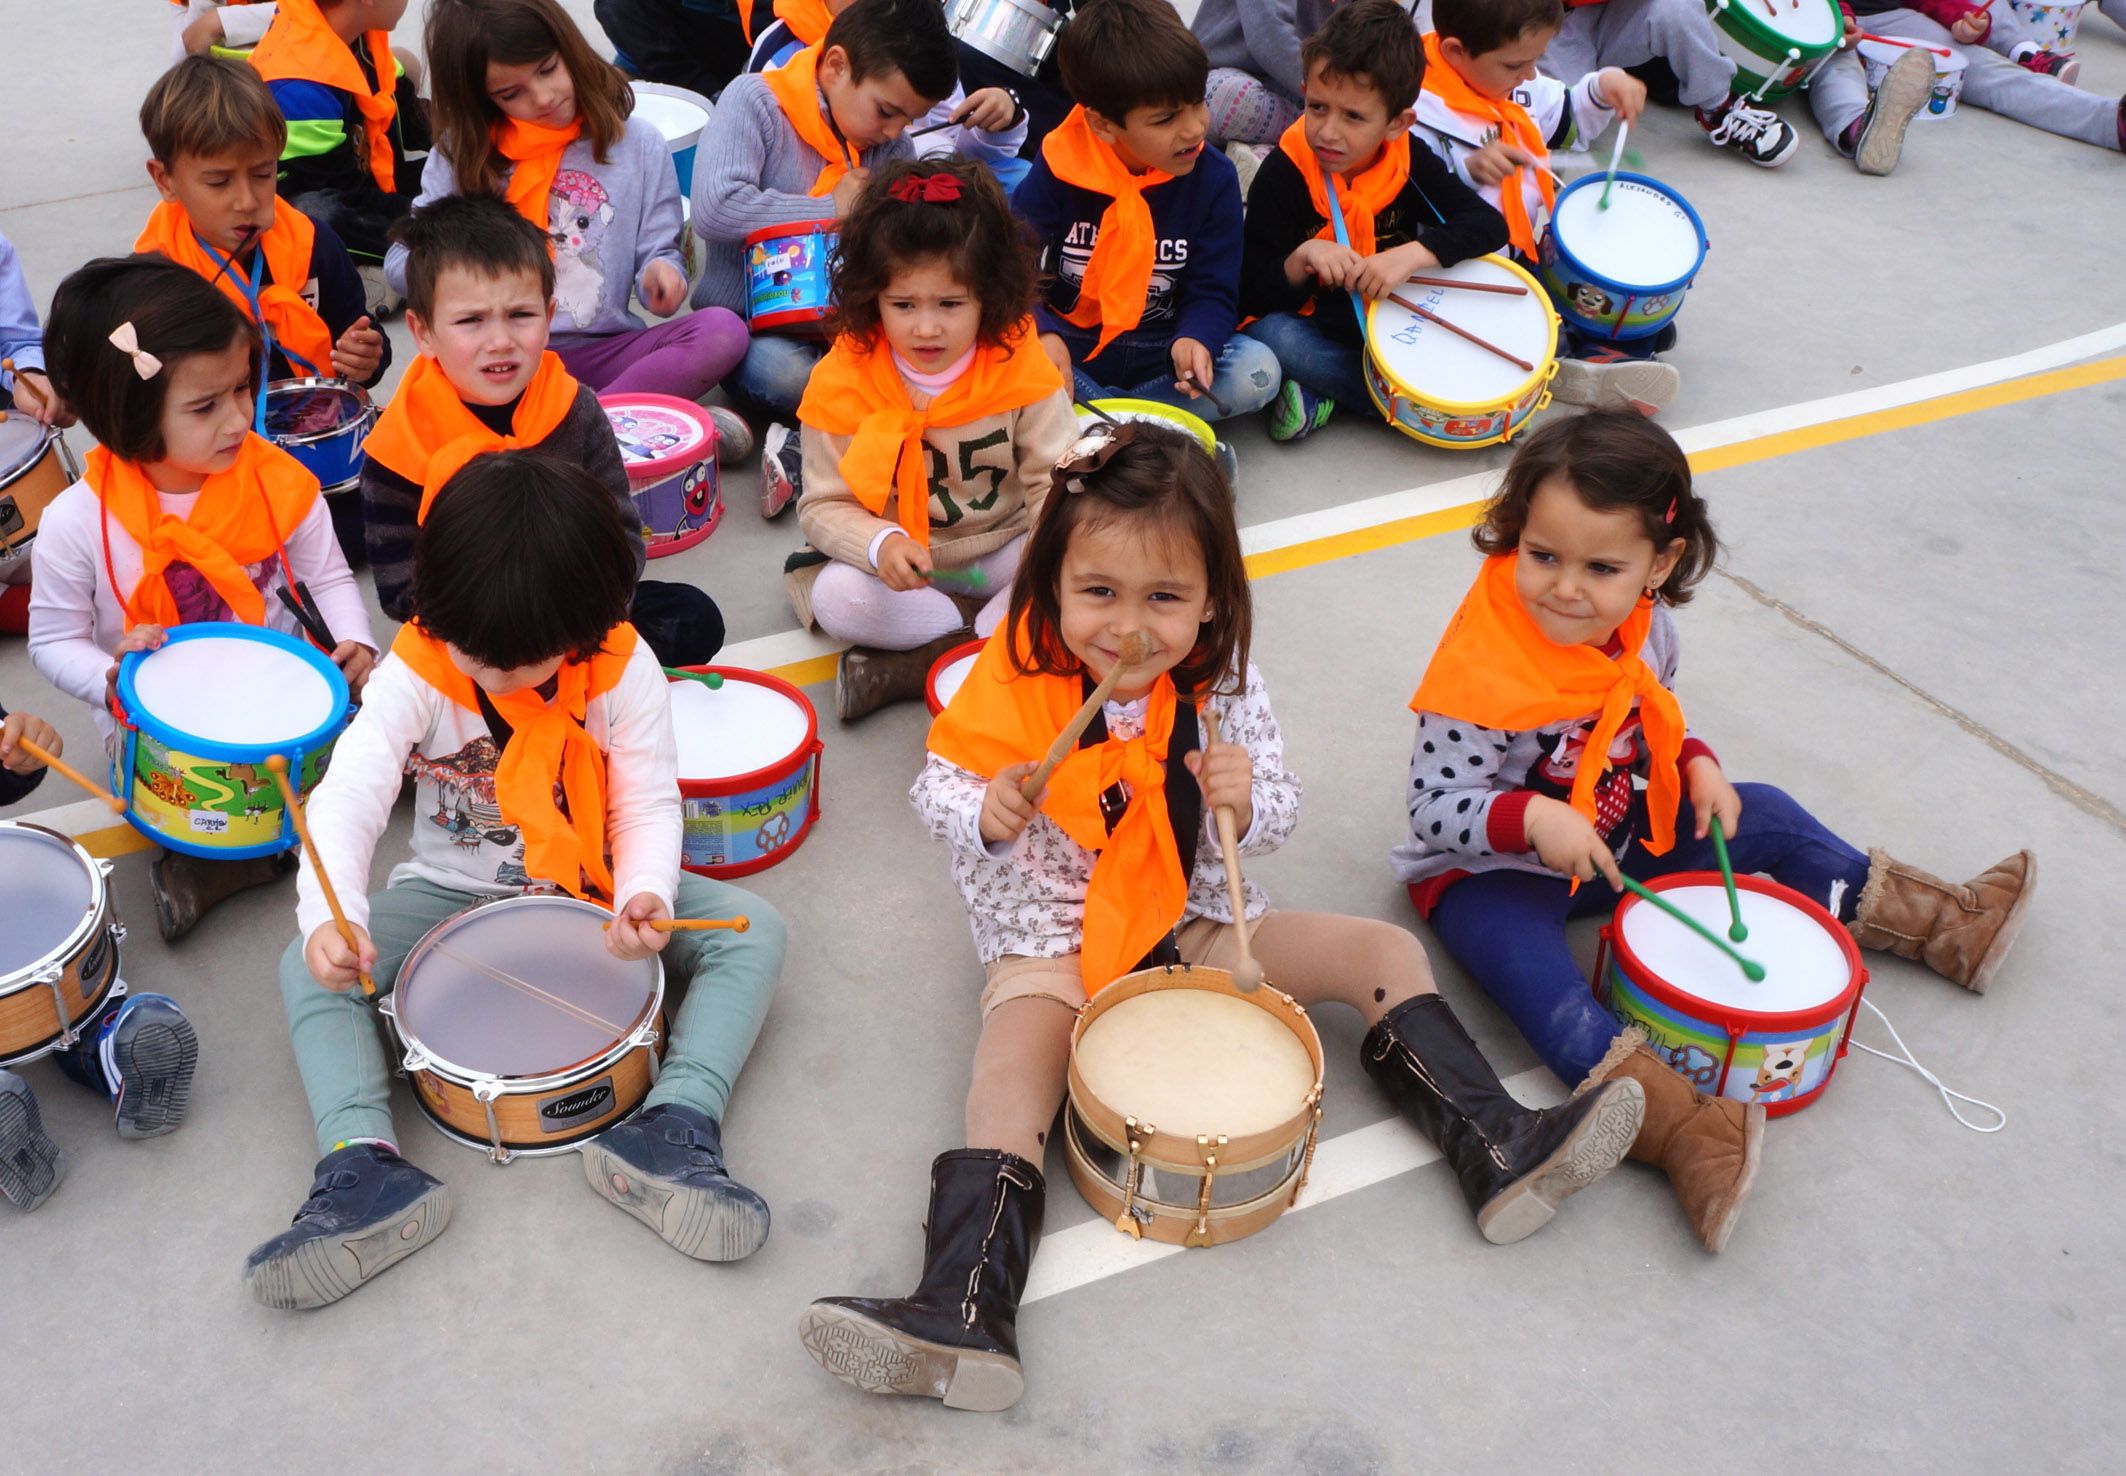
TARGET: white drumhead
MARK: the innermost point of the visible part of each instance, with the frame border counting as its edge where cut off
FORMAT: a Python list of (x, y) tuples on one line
[(1806, 23), (736, 729), (675, 117), (452, 1006), (21, 443), (228, 689), (648, 431), (47, 895), (1644, 238), (1447, 367), (1803, 964), (951, 678), (1192, 1061)]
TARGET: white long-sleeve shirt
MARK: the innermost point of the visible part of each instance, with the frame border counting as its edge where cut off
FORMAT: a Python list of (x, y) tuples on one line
[(1567, 117), (76, 620), (461, 838)]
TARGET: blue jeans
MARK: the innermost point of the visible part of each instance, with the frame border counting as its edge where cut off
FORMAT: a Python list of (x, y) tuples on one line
[(1507, 928), (1321, 362), (771, 378), (1244, 375)]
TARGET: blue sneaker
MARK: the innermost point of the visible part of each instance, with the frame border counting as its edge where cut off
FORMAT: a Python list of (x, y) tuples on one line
[(1298, 412), (369, 1210), (31, 1164), (665, 1168), (148, 1051)]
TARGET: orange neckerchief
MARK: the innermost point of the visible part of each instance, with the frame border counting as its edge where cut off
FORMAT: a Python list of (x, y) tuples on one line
[(855, 390), (1515, 126), (287, 243), (807, 19), (1496, 669), (795, 87), (1120, 271), (547, 745), (1137, 894), (243, 516), (300, 46), (426, 434), (535, 154)]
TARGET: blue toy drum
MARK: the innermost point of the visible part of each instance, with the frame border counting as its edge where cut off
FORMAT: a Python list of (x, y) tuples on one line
[(201, 714), (1621, 273), (322, 423), (749, 755), (787, 285)]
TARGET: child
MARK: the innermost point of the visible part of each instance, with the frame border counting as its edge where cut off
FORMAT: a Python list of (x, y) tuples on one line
[(140, 1053), (28, 387), (1070, 891), (522, 576), (1140, 226), (525, 110), (1402, 211), (479, 297), (1257, 76), (1494, 119), (351, 125), (930, 429), (182, 513), (796, 144), (1547, 700)]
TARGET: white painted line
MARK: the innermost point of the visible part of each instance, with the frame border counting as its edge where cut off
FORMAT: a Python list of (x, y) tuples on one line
[(76, 819), (1095, 1249), (784, 648)]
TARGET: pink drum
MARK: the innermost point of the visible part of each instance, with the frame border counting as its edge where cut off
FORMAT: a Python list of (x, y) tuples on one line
[(669, 446)]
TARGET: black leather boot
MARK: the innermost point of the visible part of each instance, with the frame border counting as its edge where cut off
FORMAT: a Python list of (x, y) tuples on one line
[(1516, 1164), (954, 1337)]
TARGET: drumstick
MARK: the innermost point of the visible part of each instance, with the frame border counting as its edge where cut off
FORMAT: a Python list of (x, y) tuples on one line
[(1136, 650), (1751, 969), (1900, 41), (1247, 974), (68, 770), (709, 679), (1737, 930), (1097, 411), (1504, 289), (694, 924), (969, 578), (502, 976), (1224, 409), (933, 128), (1616, 154), (319, 636), (1431, 317), (277, 765)]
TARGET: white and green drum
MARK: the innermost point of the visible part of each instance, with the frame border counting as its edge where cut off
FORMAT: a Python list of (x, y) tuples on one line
[(1774, 44)]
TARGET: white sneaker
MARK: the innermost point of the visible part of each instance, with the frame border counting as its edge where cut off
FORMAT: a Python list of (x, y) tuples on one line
[(1757, 134), (781, 469), (734, 438), (1904, 91), (1644, 385)]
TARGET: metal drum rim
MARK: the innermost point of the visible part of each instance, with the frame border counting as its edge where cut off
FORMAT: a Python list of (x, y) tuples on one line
[(76, 941)]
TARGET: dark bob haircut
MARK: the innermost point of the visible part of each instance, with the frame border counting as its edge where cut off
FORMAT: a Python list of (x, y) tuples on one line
[(1372, 42), (522, 558), (476, 233), (1486, 25), (976, 236), (1116, 55), (881, 37)]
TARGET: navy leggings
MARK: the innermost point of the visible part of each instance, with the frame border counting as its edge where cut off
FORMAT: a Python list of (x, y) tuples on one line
[(1507, 928)]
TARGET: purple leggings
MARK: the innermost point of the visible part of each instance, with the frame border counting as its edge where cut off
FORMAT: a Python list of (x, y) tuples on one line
[(687, 356)]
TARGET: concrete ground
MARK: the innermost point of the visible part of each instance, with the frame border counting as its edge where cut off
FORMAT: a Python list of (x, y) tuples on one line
[(1909, 631)]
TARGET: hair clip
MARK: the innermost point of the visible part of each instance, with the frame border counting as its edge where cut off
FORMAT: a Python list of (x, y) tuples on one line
[(1090, 452), (127, 342), (1670, 515), (941, 188)]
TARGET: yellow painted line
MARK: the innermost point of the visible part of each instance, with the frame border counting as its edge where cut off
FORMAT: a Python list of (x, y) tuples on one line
[(113, 841)]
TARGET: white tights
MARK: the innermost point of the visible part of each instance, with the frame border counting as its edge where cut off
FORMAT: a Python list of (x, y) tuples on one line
[(854, 605)]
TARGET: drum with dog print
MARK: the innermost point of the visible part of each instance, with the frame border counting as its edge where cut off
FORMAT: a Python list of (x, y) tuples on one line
[(1619, 269), (749, 757)]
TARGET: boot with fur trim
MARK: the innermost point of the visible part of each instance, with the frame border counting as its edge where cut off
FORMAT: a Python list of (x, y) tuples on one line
[(1708, 1146), (1960, 932)]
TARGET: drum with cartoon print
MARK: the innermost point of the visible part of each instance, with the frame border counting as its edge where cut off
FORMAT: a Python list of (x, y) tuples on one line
[(948, 672), (749, 761), (1775, 1041), (669, 447), (59, 937), (787, 281), (2051, 23), (1621, 272), (1775, 52), (1436, 385), (1877, 57)]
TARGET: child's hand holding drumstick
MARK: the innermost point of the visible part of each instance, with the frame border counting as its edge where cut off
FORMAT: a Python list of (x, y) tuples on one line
[(1009, 802), (41, 735)]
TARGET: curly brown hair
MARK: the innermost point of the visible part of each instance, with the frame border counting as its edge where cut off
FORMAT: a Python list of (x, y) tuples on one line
[(976, 235)]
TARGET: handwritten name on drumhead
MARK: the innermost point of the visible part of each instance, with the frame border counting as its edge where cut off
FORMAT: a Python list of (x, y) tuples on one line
[(1414, 328)]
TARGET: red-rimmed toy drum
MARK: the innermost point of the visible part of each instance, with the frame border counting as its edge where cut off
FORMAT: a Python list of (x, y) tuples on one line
[(787, 281), (947, 672), (669, 448), (1774, 1042), (749, 757)]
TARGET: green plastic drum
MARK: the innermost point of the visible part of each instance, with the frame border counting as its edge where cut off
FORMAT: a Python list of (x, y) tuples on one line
[(1779, 41)]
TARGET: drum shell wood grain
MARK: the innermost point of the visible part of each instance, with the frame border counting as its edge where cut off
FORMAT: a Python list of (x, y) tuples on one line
[(30, 487), (451, 1103), (30, 1023)]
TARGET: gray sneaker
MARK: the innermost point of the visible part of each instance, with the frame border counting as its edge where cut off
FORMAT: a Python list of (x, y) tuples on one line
[(782, 469), (1904, 91), (31, 1164), (734, 438)]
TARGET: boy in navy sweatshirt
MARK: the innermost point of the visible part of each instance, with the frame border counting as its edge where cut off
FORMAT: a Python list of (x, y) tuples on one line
[(1139, 226)]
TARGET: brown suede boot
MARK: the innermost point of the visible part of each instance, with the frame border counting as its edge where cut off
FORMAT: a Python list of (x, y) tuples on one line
[(186, 888), (1960, 932), (867, 678), (1708, 1146)]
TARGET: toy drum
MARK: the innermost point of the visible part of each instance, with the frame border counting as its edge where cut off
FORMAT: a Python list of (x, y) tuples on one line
[(749, 756), (201, 715), (1018, 33), (321, 423), (1776, 1041), (59, 937), (787, 285), (680, 116), (1193, 1107), (1435, 386), (669, 446), (522, 1034), (1780, 47), (948, 672), (1621, 272), (1171, 416), (35, 467), (1877, 57), (2051, 26)]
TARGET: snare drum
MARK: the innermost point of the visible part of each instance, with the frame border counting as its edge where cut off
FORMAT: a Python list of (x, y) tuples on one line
[(680, 116), (787, 283), (2051, 25), (948, 672), (1018, 33), (1776, 1041), (201, 714), (1193, 1107), (1782, 45), (1877, 57), (669, 447), (1622, 272), (321, 423), (749, 757), (1437, 387), (35, 467), (522, 1034), (59, 937), (1151, 411)]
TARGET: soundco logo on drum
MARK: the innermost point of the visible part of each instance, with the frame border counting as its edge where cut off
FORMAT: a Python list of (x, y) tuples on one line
[(556, 1113)]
